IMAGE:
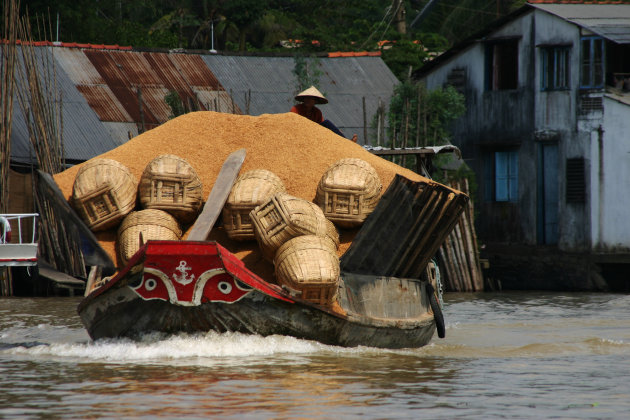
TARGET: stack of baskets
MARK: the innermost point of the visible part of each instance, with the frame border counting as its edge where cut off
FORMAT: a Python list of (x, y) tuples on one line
[(348, 192), (302, 243), (250, 190), (171, 184), (104, 192), (141, 226), (308, 265), (284, 217)]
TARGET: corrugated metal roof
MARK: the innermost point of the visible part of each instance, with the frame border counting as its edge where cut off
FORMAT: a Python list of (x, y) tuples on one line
[(615, 14), (102, 100), (83, 137), (611, 21), (102, 85), (269, 84)]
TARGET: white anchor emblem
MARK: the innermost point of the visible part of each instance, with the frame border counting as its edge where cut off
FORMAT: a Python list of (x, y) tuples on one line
[(183, 278)]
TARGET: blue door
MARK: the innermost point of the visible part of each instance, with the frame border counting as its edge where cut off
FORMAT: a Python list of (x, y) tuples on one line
[(547, 186)]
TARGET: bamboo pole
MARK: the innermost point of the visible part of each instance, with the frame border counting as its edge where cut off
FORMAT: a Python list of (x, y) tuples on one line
[(40, 101), (461, 259), (473, 232), (406, 136), (465, 243), (7, 85), (447, 263), (456, 279)]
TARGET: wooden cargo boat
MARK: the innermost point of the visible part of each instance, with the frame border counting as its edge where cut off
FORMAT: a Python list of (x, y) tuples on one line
[(188, 286), (386, 297)]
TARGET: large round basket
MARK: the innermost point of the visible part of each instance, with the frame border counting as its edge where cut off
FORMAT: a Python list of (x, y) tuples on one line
[(283, 217), (104, 192), (171, 184), (250, 190), (348, 192), (140, 226), (306, 264)]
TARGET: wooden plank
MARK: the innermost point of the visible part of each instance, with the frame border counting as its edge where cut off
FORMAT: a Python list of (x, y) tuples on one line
[(96, 256), (219, 194), (59, 277), (392, 242), (93, 277)]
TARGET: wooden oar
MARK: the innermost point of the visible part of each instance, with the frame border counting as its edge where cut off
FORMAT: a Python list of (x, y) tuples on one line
[(219, 194)]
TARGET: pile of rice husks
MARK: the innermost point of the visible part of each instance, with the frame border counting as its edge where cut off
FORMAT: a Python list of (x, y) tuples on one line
[(296, 149)]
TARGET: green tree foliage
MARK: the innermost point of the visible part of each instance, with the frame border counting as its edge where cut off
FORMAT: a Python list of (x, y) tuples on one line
[(418, 117), (174, 102), (404, 57), (260, 24), (244, 14), (307, 72)]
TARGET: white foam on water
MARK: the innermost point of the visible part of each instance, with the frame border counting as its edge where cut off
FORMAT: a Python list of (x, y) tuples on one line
[(194, 349)]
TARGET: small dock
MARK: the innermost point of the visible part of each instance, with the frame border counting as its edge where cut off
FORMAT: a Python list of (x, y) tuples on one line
[(62, 281)]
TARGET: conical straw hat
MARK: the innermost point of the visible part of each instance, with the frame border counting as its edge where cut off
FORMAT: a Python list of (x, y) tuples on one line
[(314, 93)]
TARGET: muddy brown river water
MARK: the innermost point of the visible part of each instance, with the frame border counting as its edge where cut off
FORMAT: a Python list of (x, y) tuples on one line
[(505, 355)]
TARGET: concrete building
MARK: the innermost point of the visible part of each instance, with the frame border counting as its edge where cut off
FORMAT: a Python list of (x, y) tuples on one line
[(547, 133)]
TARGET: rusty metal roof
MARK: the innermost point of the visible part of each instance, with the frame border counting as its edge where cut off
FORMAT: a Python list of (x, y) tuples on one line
[(83, 137), (112, 93)]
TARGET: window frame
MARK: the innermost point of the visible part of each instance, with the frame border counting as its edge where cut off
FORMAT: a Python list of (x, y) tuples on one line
[(501, 175), (506, 176), (558, 68), (502, 67), (589, 66)]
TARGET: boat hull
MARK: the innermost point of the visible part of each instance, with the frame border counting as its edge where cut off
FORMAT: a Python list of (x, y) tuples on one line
[(232, 298), (120, 314)]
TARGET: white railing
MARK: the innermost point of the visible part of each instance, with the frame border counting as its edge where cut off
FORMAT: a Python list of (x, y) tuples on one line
[(17, 246)]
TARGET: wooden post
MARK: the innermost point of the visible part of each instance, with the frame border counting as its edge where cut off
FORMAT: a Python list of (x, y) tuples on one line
[(378, 127), (364, 123), (418, 116), (382, 114), (141, 110), (406, 136)]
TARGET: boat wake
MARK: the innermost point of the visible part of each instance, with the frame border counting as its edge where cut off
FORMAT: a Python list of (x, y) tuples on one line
[(203, 349)]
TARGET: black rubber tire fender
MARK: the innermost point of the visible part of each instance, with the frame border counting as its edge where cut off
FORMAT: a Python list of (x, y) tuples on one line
[(438, 316)]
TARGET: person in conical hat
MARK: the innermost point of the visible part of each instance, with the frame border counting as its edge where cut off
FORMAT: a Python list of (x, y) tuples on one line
[(307, 109)]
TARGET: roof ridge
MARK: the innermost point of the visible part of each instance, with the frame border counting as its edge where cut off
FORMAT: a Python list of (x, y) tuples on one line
[(332, 54)]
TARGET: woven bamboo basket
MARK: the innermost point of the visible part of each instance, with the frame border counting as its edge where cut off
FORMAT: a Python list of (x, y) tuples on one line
[(283, 217), (171, 184), (332, 234), (250, 190), (104, 192), (152, 224), (348, 192), (306, 264)]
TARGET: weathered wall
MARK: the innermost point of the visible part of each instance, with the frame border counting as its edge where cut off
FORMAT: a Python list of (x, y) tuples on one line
[(557, 112), (611, 230), (500, 118)]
